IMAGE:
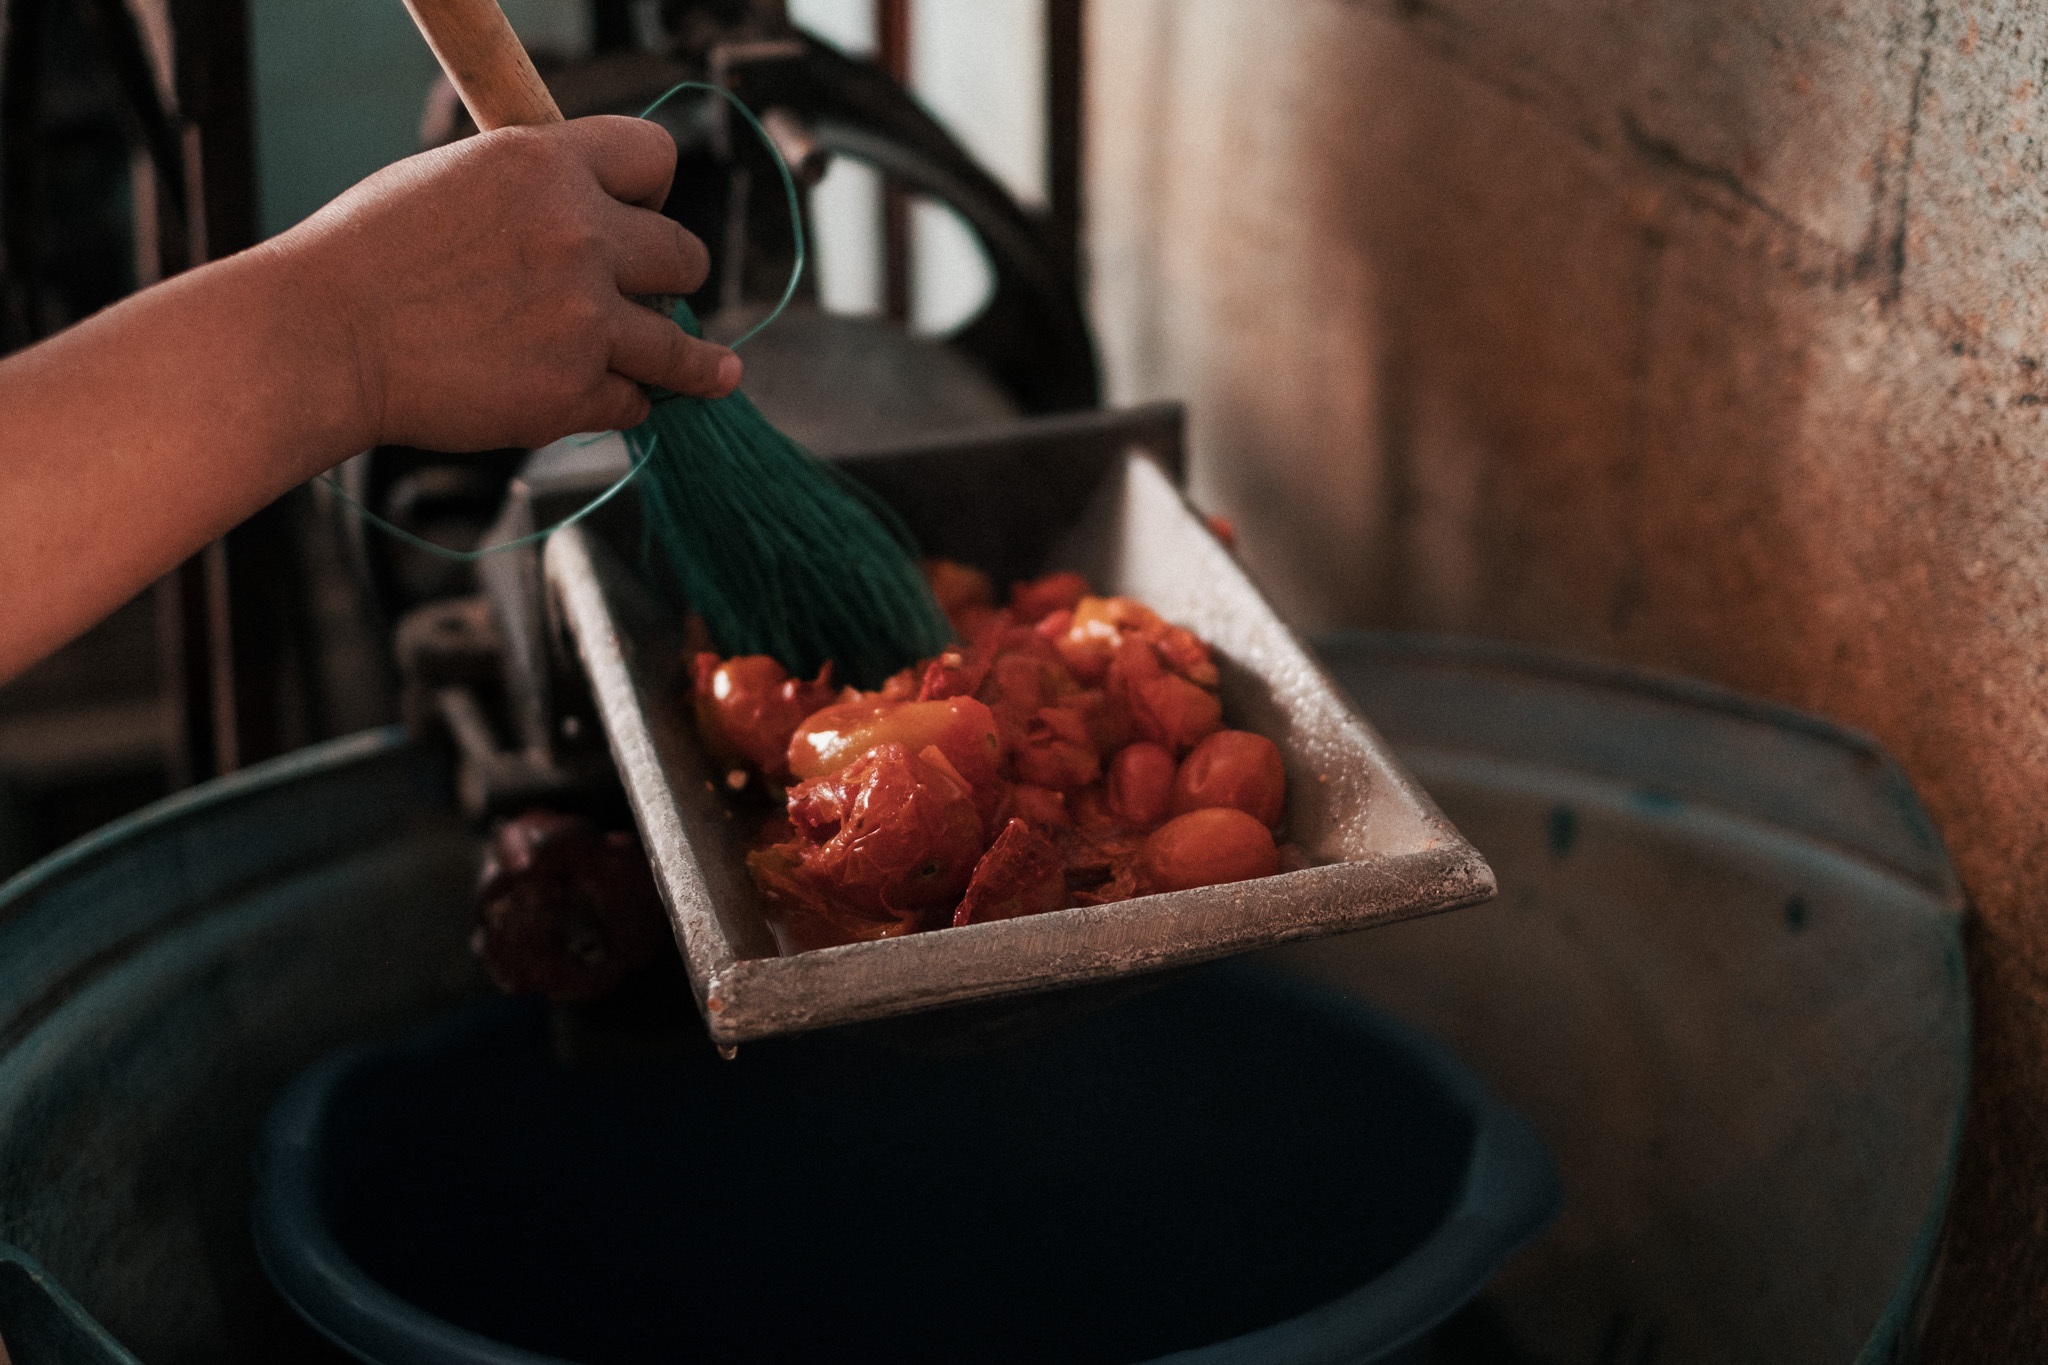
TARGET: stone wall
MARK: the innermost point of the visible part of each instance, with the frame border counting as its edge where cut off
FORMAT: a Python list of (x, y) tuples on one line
[(1705, 334)]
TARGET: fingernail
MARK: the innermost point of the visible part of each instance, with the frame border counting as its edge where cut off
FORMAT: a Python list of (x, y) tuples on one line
[(729, 373)]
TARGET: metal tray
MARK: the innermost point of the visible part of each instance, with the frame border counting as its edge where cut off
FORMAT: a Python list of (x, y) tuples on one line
[(1091, 494)]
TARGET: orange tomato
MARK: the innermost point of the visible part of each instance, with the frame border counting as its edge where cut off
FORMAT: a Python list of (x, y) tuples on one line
[(1098, 628), (1232, 768), (1206, 848), (963, 729), (956, 585), (748, 707)]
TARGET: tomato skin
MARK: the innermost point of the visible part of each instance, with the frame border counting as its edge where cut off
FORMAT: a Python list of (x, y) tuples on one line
[(748, 707), (1098, 629), (1206, 848), (1232, 768), (1082, 729), (1034, 600), (956, 672), (1163, 706), (902, 685), (1018, 686), (1056, 751), (1101, 858), (1021, 874), (1040, 807), (964, 594), (835, 736), (802, 914), (889, 838), (956, 585), (972, 622), (1141, 778), (1184, 653)]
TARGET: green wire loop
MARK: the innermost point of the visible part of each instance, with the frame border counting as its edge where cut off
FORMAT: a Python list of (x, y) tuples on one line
[(796, 273)]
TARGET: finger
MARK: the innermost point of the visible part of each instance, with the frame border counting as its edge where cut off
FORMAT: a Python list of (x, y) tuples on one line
[(616, 405), (655, 255), (634, 159), (648, 347)]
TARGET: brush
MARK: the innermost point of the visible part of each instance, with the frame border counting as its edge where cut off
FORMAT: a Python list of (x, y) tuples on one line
[(777, 551)]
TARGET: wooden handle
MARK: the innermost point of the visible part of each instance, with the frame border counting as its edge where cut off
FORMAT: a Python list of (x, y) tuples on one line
[(485, 60)]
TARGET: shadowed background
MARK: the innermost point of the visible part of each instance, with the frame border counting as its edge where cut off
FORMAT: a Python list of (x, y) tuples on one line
[(1704, 335)]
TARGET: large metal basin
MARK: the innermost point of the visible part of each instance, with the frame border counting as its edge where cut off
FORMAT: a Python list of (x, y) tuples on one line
[(1723, 978)]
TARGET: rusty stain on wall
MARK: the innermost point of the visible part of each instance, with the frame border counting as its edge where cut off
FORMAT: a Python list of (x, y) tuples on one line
[(1704, 335)]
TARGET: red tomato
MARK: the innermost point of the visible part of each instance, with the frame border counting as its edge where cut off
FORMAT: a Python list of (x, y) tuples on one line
[(1184, 653), (1232, 768), (891, 837), (1055, 751), (963, 728), (1101, 860), (1140, 779), (1206, 848), (1041, 807), (748, 707), (1021, 874), (956, 672), (800, 911), (1017, 686), (1163, 707), (1098, 627), (956, 585), (1054, 592), (1109, 727), (970, 622)]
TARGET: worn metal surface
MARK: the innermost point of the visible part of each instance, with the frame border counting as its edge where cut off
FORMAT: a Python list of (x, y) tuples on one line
[(159, 982), (1383, 851), (1724, 977)]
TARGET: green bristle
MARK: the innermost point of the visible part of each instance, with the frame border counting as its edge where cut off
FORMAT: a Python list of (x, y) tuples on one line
[(779, 553)]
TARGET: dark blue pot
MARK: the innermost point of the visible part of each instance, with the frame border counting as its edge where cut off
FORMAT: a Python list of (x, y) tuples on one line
[(1232, 1168)]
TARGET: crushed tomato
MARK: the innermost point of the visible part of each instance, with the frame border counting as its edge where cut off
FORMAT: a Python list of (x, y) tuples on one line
[(1069, 751)]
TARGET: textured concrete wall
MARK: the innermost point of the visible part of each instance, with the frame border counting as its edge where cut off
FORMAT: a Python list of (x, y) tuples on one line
[(1702, 333)]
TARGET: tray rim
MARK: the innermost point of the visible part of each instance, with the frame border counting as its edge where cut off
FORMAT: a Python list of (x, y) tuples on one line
[(746, 998)]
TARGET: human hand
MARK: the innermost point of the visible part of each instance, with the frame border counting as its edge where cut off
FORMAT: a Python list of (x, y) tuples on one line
[(479, 290)]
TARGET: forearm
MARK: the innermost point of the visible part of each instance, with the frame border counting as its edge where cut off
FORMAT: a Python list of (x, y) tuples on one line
[(155, 426), (471, 298)]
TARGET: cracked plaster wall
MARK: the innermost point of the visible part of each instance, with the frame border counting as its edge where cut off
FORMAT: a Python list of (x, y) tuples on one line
[(1702, 334)]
